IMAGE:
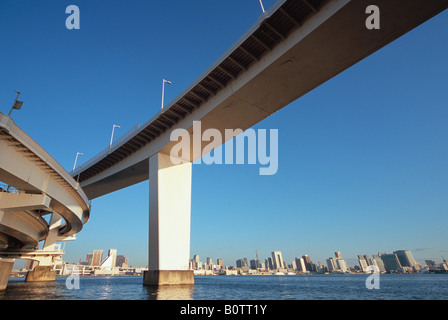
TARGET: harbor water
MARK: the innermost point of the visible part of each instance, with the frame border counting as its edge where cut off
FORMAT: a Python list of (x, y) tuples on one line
[(286, 287)]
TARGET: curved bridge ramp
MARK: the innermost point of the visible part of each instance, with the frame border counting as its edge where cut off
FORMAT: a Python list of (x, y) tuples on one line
[(33, 185)]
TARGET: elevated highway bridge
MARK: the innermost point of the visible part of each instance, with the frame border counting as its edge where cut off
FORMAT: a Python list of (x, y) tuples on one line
[(35, 186), (291, 49)]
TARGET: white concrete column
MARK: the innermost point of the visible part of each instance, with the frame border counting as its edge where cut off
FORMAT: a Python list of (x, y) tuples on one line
[(5, 271), (169, 214)]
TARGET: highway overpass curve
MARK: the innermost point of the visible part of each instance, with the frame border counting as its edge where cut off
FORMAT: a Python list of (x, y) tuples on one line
[(42, 186), (292, 49)]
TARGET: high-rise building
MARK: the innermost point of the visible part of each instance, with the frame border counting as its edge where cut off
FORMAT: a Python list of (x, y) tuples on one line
[(331, 264), (406, 258), (391, 262), (308, 264), (377, 261), (293, 265), (122, 261), (277, 259), (338, 254), (254, 264), (196, 262), (269, 263), (89, 259), (242, 263), (342, 265), (362, 263), (97, 257), (300, 264), (111, 260), (220, 263), (113, 254)]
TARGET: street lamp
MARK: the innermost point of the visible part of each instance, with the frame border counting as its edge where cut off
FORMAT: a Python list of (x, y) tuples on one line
[(262, 8), (17, 104), (76, 159), (163, 89), (112, 137)]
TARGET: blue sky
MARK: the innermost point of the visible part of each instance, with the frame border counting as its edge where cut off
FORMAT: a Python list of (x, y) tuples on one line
[(362, 159)]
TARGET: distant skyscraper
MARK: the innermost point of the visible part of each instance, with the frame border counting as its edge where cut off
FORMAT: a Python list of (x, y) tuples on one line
[(113, 254), (342, 265), (253, 264), (406, 258), (197, 262), (97, 257), (362, 263), (111, 260), (338, 254), (331, 264), (277, 259), (377, 261), (220, 262), (122, 261), (391, 262), (307, 261), (242, 263), (270, 263), (300, 264), (89, 259)]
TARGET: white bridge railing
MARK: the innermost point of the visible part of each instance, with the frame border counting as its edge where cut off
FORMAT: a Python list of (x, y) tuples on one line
[(106, 151)]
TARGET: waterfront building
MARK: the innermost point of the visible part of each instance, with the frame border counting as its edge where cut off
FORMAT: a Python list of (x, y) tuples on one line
[(254, 264), (111, 260), (377, 261), (342, 265), (362, 263), (308, 264), (331, 264), (391, 262), (89, 259), (242, 263), (97, 257), (368, 260), (406, 258), (113, 256), (293, 265), (269, 263), (278, 260), (122, 261), (196, 262), (300, 262)]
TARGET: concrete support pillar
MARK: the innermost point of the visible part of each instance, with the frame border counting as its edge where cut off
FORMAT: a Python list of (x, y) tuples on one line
[(41, 273), (5, 271), (169, 222)]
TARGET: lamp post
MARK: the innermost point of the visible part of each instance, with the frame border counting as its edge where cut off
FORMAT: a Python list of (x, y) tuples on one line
[(163, 90), (112, 137), (262, 8), (17, 104), (76, 159)]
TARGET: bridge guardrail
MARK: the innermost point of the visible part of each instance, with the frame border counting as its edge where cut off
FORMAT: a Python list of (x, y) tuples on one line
[(106, 151)]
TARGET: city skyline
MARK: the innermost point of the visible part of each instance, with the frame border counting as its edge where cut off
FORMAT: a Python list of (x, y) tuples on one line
[(362, 159), (277, 259), (399, 261)]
